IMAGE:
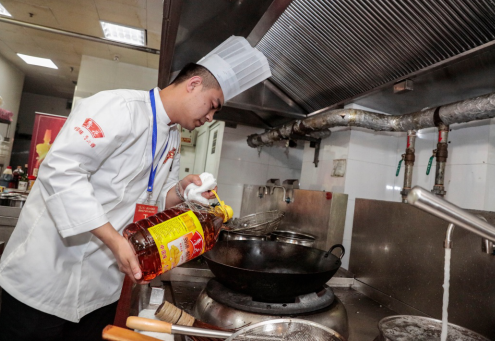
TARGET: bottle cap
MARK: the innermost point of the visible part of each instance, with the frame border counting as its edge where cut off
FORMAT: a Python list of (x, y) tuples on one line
[(223, 209)]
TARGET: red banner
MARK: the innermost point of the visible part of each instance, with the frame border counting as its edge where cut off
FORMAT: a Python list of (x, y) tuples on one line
[(46, 129)]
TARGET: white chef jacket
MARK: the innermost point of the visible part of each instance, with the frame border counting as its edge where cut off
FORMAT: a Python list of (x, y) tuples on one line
[(95, 172)]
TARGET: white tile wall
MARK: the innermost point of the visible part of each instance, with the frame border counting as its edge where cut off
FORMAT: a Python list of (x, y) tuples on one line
[(491, 143), (469, 143), (466, 185), (241, 164), (374, 147), (319, 178), (490, 184)]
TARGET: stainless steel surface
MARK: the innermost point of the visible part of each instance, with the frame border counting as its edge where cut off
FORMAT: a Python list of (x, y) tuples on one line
[(287, 236), (448, 237), (8, 221), (418, 328), (77, 35), (318, 213), (2, 247), (192, 331), (478, 108), (18, 201), (212, 312), (363, 312), (260, 223), (488, 247), (157, 295), (441, 208), (286, 329), (353, 46), (400, 255), (459, 78)]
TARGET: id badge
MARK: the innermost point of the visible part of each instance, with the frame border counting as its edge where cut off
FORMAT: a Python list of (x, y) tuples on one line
[(144, 209)]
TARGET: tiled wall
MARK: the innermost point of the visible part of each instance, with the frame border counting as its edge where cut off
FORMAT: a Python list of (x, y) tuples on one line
[(372, 159), (240, 164)]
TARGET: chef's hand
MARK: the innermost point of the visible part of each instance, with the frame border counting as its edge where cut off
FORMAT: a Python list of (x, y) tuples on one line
[(196, 180), (126, 259)]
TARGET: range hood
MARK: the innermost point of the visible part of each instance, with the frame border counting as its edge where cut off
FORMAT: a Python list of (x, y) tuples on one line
[(325, 54)]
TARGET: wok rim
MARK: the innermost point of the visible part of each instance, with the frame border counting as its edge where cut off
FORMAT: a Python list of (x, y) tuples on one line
[(296, 246)]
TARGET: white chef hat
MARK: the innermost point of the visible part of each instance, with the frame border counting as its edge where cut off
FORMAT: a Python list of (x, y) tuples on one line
[(236, 65)]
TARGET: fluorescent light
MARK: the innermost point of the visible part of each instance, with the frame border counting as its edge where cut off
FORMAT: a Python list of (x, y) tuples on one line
[(44, 62), (3, 11), (124, 34)]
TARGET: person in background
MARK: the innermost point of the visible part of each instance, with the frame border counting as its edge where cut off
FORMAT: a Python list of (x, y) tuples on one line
[(63, 267)]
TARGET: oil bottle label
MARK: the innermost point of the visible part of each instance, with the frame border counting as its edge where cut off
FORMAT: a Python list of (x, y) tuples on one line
[(178, 240)]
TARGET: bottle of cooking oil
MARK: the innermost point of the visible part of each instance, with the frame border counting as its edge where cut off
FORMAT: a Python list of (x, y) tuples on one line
[(174, 236)]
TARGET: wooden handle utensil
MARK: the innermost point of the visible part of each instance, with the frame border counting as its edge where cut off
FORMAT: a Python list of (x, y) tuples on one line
[(113, 333), (148, 324), (154, 325)]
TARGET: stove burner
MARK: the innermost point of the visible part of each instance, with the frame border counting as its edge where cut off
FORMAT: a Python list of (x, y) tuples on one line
[(301, 304)]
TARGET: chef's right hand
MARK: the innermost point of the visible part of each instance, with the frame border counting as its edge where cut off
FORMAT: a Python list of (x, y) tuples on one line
[(126, 259)]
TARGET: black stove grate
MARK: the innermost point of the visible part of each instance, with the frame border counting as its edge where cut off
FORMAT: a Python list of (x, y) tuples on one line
[(294, 306)]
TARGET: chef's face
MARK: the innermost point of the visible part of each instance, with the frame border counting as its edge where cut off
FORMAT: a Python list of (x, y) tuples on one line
[(202, 103)]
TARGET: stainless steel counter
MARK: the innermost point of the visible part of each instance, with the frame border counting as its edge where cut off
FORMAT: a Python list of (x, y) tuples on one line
[(183, 288)]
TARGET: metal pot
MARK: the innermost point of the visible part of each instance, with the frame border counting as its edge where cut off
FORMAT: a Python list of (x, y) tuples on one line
[(5, 199), (225, 235), (18, 201), (419, 328), (296, 238)]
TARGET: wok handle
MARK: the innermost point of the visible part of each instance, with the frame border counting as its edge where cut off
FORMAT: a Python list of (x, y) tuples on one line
[(333, 247)]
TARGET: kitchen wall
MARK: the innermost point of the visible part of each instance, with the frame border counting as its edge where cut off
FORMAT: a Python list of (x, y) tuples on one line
[(240, 164), (372, 159), (31, 103), (187, 154), (11, 83), (96, 74)]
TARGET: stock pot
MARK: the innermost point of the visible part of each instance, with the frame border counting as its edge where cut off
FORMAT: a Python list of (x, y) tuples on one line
[(297, 238)]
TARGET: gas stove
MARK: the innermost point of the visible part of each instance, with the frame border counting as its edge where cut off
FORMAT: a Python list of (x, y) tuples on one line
[(218, 305)]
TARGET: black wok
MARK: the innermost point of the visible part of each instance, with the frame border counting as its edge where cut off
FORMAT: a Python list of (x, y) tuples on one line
[(271, 271)]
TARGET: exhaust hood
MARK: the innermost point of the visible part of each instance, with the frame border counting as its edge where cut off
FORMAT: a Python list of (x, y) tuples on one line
[(328, 53)]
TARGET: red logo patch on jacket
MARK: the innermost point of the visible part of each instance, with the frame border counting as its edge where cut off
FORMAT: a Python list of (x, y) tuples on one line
[(93, 128), (170, 155)]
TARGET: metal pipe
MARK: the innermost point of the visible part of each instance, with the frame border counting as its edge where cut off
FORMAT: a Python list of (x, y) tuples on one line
[(409, 158), (78, 35), (442, 155), (279, 186), (425, 200), (487, 246), (479, 108), (448, 236)]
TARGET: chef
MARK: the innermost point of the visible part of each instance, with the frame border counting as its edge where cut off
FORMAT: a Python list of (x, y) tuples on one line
[(63, 267)]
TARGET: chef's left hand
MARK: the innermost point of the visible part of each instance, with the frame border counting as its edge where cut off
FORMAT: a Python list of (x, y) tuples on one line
[(196, 180)]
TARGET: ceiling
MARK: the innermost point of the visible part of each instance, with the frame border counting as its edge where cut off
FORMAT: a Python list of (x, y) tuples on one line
[(80, 16)]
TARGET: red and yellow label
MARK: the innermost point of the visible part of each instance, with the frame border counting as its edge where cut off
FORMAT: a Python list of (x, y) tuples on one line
[(179, 239)]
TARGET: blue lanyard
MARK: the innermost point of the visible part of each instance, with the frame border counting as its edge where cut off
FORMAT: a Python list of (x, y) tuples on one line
[(153, 144)]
